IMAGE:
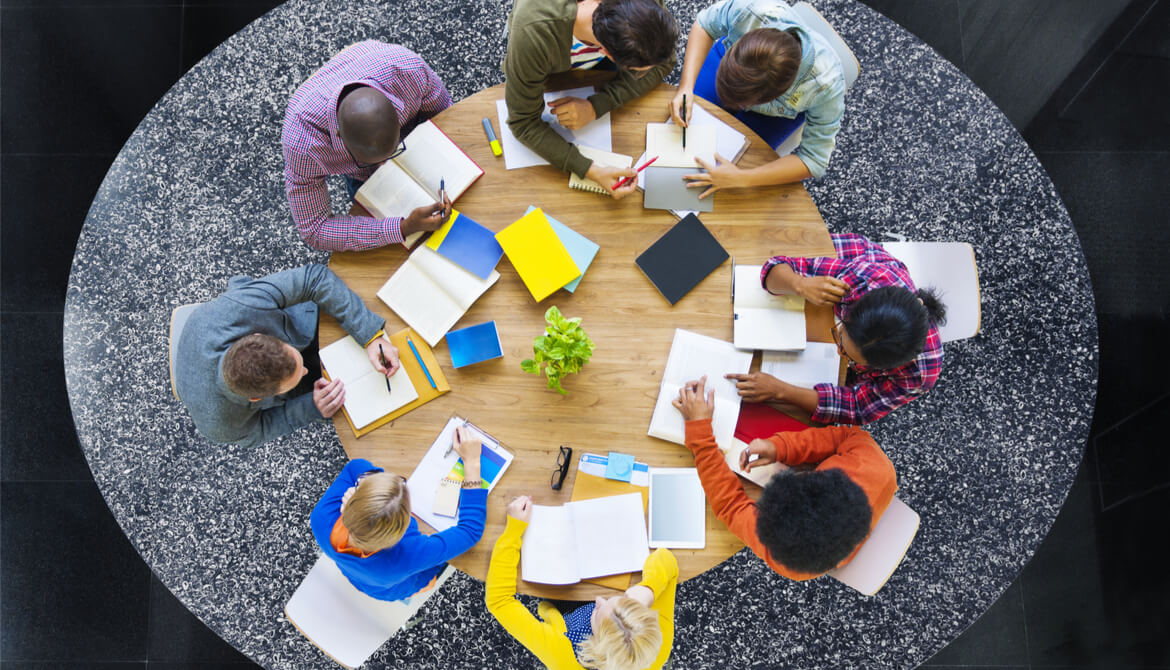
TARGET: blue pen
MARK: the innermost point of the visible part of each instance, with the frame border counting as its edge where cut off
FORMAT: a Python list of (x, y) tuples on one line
[(420, 362)]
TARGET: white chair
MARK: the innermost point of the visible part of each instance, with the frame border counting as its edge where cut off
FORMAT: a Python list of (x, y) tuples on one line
[(882, 551), (178, 321), (811, 18), (950, 268), (343, 622)]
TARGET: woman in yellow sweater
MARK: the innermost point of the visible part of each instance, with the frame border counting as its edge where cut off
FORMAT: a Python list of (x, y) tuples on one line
[(631, 631)]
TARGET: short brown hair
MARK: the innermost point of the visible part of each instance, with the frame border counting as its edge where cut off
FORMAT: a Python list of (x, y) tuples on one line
[(758, 68), (256, 365), (378, 513)]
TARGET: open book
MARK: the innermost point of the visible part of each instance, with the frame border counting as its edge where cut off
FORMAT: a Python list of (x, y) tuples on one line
[(412, 179), (763, 320), (819, 363), (366, 396), (584, 539), (602, 158), (665, 141), (692, 356), (431, 293)]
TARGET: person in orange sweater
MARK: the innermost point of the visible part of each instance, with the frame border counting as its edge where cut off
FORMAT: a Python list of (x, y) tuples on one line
[(806, 522)]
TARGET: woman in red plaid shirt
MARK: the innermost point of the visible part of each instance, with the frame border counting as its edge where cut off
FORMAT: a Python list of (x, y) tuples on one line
[(886, 329)]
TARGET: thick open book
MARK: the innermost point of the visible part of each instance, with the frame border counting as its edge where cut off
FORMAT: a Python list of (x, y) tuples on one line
[(692, 356), (602, 158), (412, 179), (366, 396), (583, 539), (431, 293), (763, 320)]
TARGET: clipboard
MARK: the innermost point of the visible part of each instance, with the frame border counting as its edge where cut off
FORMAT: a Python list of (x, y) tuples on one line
[(418, 379), (588, 487)]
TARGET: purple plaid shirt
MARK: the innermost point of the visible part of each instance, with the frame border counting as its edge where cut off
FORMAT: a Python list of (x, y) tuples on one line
[(872, 393), (313, 148)]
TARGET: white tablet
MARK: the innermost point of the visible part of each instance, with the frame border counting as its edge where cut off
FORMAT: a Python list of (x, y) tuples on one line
[(678, 509)]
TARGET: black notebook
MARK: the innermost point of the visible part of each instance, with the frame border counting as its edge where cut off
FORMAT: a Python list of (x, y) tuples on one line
[(681, 258)]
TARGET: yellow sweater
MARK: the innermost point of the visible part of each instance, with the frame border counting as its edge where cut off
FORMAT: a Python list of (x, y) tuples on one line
[(547, 638)]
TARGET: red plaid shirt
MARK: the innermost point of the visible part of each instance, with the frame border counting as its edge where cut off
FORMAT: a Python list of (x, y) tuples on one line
[(872, 393), (313, 148)]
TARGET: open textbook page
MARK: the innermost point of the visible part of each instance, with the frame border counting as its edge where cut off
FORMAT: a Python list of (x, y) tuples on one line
[(763, 320), (692, 356), (366, 396), (431, 293)]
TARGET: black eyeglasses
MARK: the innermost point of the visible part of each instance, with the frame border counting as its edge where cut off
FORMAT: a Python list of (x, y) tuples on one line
[(397, 152), (840, 349), (564, 458)]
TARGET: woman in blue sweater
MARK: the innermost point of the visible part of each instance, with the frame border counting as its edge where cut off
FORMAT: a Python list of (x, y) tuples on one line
[(363, 523)]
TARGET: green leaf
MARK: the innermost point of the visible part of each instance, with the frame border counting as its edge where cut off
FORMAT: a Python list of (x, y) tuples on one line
[(529, 365), (562, 350)]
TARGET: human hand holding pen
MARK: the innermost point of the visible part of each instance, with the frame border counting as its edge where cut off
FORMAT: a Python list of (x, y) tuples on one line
[(427, 217), (758, 454), (383, 355)]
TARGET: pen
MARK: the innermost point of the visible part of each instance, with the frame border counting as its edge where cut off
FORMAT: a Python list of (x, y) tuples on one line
[(420, 362), (382, 355), (625, 180), (491, 135), (684, 120)]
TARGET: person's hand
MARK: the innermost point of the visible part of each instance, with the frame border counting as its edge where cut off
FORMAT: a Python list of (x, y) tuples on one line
[(573, 113), (468, 445), (607, 177), (328, 396), (520, 508), (347, 495), (821, 290), (381, 347), (764, 449), (758, 387), (692, 403), (675, 105), (427, 217), (720, 174)]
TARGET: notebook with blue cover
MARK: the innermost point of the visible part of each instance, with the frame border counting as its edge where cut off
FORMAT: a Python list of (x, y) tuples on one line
[(467, 244), (581, 249), (474, 344)]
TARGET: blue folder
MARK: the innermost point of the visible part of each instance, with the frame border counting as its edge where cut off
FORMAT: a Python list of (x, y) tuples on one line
[(474, 344), (471, 246)]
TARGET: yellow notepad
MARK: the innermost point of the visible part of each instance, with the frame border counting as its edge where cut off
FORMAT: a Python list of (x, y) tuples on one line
[(537, 254)]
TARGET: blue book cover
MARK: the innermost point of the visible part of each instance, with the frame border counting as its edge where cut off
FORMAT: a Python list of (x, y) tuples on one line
[(474, 344), (468, 244), (581, 249)]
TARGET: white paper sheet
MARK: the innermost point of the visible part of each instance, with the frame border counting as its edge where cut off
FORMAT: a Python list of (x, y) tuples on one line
[(435, 465), (819, 363), (366, 397), (596, 134)]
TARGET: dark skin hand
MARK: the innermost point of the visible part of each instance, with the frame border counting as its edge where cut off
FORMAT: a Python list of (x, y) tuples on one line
[(427, 217)]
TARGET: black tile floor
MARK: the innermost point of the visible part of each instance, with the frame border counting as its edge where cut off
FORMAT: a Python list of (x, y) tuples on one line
[(75, 79)]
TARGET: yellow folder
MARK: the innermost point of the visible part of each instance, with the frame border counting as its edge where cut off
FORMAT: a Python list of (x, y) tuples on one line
[(538, 254)]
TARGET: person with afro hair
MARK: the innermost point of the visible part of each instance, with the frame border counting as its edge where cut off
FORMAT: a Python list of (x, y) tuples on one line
[(807, 521)]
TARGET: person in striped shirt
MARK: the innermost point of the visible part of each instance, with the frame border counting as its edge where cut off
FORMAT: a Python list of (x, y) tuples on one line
[(346, 119)]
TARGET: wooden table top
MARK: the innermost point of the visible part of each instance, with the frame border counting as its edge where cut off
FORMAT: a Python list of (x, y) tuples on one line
[(610, 402)]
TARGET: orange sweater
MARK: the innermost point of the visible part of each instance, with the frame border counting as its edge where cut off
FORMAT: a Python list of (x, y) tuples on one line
[(847, 448)]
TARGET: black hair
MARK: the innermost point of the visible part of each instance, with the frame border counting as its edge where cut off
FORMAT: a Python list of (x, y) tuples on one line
[(636, 33), (890, 324), (811, 521)]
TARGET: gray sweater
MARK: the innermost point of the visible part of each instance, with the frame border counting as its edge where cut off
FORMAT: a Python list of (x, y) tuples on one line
[(283, 305)]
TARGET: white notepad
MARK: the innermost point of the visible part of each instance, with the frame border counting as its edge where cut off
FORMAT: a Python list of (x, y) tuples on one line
[(692, 356), (366, 397), (412, 179), (760, 474), (819, 363), (763, 320), (432, 293), (665, 141), (596, 133), (437, 463), (584, 539)]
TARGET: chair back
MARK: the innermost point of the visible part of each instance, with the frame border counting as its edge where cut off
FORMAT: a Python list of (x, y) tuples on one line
[(882, 551), (178, 320), (948, 267), (345, 623), (812, 19)]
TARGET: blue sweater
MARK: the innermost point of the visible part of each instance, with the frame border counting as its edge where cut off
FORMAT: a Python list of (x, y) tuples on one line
[(399, 571)]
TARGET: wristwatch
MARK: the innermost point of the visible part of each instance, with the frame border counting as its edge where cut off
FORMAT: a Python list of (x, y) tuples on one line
[(472, 483)]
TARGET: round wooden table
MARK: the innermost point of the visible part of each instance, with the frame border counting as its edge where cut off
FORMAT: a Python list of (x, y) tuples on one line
[(610, 402)]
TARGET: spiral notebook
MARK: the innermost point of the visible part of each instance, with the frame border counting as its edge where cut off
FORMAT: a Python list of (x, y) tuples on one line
[(604, 158)]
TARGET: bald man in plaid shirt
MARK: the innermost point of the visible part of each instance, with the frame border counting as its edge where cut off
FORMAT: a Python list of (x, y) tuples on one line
[(348, 118)]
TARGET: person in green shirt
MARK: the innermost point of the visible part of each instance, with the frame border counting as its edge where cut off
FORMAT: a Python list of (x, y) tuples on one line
[(638, 36)]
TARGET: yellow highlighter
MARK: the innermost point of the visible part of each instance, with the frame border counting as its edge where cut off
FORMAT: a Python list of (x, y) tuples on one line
[(491, 135)]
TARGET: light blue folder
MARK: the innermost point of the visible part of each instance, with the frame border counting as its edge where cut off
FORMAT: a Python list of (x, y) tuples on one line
[(581, 249)]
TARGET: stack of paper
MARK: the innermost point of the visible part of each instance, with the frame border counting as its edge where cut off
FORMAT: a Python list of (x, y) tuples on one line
[(580, 248), (539, 256), (467, 244), (366, 397), (763, 320), (692, 356)]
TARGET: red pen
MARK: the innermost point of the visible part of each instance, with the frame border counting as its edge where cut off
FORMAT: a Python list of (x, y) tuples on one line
[(625, 180)]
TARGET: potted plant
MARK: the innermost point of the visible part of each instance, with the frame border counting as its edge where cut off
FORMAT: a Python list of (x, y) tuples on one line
[(562, 350)]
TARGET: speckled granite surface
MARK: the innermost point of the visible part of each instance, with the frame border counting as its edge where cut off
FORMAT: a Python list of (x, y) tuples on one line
[(197, 196)]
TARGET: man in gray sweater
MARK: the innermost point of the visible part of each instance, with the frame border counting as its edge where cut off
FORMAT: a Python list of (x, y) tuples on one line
[(239, 356)]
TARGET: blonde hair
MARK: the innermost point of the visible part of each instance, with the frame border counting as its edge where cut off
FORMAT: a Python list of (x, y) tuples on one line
[(378, 513), (627, 640)]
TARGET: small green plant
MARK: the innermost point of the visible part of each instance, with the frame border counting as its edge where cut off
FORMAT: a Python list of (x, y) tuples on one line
[(562, 350)]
